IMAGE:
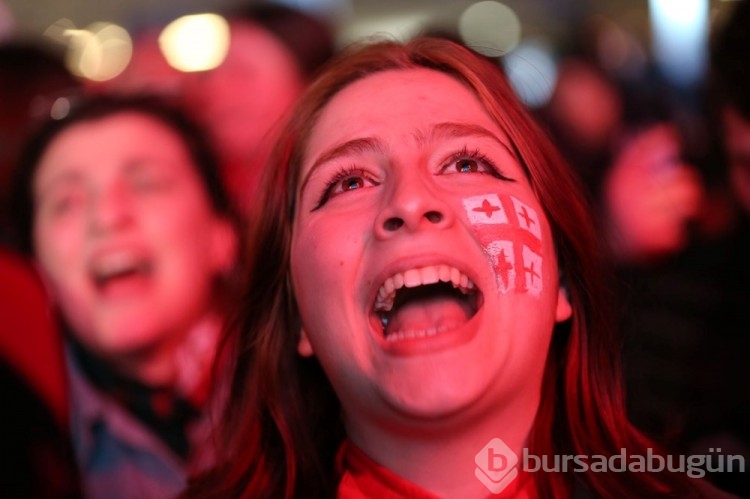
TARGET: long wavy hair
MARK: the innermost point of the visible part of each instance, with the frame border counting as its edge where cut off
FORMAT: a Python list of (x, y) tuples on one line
[(283, 425)]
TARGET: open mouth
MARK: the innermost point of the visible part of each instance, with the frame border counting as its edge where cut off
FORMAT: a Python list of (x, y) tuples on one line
[(118, 269), (425, 302)]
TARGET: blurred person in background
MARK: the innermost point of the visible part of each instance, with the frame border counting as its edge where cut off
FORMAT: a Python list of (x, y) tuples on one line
[(585, 116), (682, 292), (720, 415), (626, 143), (122, 207), (273, 52), (731, 102), (687, 318), (651, 194)]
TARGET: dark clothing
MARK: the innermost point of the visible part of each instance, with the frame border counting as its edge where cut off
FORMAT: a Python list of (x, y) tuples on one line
[(686, 323), (37, 457)]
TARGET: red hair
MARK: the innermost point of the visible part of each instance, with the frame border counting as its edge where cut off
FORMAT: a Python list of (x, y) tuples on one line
[(283, 424)]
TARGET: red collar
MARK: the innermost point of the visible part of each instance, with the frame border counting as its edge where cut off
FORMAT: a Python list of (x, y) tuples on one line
[(363, 478)]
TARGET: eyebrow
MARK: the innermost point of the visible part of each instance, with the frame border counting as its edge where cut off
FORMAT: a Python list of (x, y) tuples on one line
[(437, 132), (144, 163), (69, 177), (451, 130), (354, 146)]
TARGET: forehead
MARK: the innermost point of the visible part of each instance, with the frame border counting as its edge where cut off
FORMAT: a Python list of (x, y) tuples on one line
[(396, 103), (254, 47), (92, 145)]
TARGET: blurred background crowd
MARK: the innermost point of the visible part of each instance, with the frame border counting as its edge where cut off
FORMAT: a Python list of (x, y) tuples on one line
[(648, 100)]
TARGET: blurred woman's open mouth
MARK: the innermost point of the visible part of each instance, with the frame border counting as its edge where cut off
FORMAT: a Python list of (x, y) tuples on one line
[(422, 305), (121, 274)]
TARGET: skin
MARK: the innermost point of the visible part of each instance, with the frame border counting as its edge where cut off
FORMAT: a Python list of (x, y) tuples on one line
[(651, 194), (240, 103), (587, 106), (122, 192), (423, 407), (243, 99)]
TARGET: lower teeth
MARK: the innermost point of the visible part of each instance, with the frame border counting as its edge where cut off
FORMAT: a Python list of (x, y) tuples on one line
[(408, 335)]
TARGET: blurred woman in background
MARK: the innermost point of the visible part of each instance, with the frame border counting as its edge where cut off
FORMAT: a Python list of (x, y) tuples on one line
[(121, 205)]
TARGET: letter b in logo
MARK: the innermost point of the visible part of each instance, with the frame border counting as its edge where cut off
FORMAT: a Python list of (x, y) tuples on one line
[(496, 465)]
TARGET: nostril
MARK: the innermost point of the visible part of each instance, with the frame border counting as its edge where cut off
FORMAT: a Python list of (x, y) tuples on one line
[(434, 216), (392, 224)]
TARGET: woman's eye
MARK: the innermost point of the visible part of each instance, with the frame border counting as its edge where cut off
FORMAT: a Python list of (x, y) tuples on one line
[(466, 161), (146, 184), (63, 204), (469, 163), (348, 179), (352, 183), (467, 166)]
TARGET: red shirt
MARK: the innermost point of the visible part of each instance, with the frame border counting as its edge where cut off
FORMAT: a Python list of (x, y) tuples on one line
[(363, 478)]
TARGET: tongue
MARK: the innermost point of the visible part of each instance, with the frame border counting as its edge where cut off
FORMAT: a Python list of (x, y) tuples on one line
[(428, 313), (124, 285)]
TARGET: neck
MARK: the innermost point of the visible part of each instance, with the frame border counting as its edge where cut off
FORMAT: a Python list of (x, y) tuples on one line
[(182, 364), (442, 457)]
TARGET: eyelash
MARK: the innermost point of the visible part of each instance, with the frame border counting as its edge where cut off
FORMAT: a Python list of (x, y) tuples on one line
[(343, 174), (475, 155), (357, 172), (63, 204)]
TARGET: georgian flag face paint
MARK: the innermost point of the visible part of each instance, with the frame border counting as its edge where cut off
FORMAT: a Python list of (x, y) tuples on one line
[(510, 234)]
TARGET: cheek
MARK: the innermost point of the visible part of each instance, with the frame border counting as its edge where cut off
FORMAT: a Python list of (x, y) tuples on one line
[(510, 234), (180, 225), (313, 264), (324, 261), (324, 249), (59, 249)]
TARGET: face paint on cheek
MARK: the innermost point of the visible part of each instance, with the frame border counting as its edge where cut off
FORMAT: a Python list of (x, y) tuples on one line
[(509, 233)]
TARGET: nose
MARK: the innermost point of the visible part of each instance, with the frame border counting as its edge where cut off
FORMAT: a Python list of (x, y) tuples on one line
[(411, 204), (111, 209)]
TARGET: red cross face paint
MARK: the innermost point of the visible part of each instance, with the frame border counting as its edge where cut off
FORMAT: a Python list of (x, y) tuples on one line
[(511, 236)]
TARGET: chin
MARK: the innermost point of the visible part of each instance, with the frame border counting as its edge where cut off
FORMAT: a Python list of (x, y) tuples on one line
[(126, 338), (438, 400)]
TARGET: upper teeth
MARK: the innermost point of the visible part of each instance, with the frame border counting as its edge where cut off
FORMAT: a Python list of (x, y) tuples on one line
[(419, 277), (116, 263)]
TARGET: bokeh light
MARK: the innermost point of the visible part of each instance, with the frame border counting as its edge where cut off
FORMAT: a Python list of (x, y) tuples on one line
[(197, 42), (100, 52), (532, 72), (490, 28), (680, 32)]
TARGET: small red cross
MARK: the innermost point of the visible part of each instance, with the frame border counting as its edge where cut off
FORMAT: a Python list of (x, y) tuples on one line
[(526, 217), (533, 272), (487, 208), (503, 267)]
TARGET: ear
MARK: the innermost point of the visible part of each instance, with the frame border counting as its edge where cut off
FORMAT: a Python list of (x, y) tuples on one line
[(223, 245), (564, 310), (304, 347)]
